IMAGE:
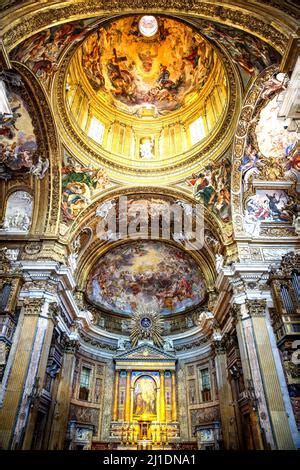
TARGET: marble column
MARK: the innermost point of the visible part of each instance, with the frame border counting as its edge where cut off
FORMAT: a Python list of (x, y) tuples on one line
[(116, 396), (260, 373), (162, 397), (174, 396), (128, 396), (37, 320)]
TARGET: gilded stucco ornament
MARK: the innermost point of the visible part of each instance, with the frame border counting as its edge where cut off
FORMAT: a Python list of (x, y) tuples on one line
[(264, 174), (146, 325), (245, 19), (256, 308)]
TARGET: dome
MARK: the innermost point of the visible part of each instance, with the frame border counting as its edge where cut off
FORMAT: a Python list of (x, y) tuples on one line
[(144, 94), (141, 272), (157, 74)]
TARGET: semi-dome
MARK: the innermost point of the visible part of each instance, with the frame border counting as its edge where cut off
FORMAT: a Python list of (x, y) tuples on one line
[(141, 272)]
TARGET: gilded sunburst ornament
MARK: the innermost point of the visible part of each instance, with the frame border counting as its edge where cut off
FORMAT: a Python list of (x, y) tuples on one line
[(146, 324)]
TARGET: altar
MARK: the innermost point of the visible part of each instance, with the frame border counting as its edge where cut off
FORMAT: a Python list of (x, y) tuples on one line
[(145, 398)]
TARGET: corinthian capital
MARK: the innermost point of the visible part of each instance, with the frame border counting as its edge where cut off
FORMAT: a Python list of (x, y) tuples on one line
[(256, 307)]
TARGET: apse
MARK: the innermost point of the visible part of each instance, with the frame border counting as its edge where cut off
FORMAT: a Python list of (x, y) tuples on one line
[(133, 274)]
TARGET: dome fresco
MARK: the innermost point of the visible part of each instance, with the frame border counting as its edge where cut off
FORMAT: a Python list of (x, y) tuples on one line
[(146, 271), (161, 70)]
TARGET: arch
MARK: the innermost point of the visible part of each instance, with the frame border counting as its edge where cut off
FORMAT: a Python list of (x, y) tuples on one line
[(94, 248), (239, 144), (47, 190), (264, 21)]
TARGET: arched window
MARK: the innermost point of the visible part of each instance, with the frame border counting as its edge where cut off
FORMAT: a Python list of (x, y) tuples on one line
[(18, 214)]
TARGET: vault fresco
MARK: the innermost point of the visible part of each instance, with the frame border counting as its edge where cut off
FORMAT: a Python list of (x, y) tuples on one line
[(271, 150), (142, 272), (212, 186), (161, 71), (78, 184), (250, 53), (18, 145), (41, 52)]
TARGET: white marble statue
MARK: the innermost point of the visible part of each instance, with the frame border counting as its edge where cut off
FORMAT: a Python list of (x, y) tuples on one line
[(168, 345), (219, 262), (40, 168)]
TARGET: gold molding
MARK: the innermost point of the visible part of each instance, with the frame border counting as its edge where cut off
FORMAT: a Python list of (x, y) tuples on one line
[(262, 22)]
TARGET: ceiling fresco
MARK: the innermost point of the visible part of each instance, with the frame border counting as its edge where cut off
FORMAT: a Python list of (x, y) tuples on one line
[(271, 150), (212, 186), (42, 51), (250, 53), (145, 272), (135, 70), (19, 151), (78, 185), (273, 139)]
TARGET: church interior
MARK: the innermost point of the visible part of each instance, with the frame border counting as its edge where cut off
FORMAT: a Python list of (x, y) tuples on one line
[(149, 225)]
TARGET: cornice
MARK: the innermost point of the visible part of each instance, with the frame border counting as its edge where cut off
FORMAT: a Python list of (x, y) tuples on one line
[(266, 22)]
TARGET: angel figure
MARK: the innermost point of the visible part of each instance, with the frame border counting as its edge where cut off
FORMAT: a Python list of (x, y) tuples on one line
[(40, 168)]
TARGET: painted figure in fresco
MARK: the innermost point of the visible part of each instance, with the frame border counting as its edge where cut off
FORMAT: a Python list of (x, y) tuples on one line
[(274, 201), (147, 59), (294, 162), (121, 78), (164, 77), (144, 396), (212, 187), (144, 272), (205, 188), (8, 122), (41, 51), (263, 212), (272, 86), (251, 54), (142, 73), (78, 185), (249, 162), (194, 56)]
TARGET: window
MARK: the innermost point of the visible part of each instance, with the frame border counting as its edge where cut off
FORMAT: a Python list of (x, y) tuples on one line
[(84, 388), (205, 385), (197, 131), (96, 130), (4, 103), (4, 296)]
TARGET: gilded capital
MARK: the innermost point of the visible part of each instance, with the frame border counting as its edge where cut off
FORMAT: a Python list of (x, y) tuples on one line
[(256, 307), (33, 306)]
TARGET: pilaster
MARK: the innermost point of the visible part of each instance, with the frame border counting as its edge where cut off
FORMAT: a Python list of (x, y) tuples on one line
[(27, 370), (63, 397), (229, 428)]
